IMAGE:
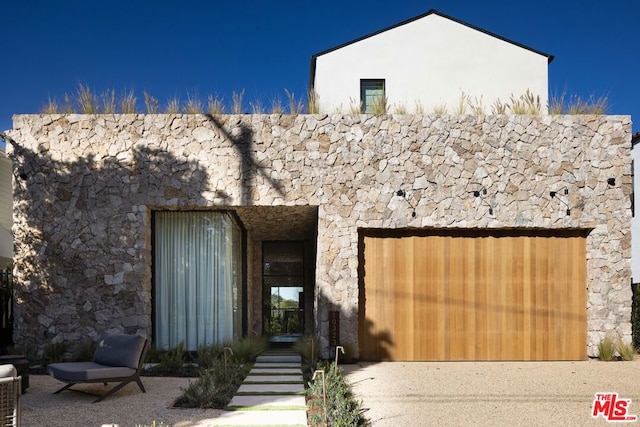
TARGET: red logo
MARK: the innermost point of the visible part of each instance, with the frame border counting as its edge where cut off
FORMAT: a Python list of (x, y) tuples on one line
[(612, 408)]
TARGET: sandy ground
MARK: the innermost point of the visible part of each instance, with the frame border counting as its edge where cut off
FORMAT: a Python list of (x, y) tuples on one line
[(491, 393), (395, 394), (129, 407)]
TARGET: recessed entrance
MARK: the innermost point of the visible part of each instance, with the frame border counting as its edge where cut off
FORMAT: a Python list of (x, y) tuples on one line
[(283, 290)]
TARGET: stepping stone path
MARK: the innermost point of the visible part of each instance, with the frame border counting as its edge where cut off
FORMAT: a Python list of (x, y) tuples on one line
[(272, 394)]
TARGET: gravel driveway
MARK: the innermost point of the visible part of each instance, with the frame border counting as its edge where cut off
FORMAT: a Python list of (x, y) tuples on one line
[(490, 393)]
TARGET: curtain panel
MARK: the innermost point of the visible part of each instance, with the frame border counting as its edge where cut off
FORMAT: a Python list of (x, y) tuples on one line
[(197, 279)]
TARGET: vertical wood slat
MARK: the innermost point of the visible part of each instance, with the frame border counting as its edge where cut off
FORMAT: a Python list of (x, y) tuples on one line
[(474, 298)]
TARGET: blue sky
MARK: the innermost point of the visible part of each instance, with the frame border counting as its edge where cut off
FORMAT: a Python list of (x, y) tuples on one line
[(197, 47)]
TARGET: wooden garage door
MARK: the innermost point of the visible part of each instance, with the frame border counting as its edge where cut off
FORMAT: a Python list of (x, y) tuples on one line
[(492, 295)]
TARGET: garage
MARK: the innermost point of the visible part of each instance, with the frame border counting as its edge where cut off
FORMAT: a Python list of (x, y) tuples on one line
[(472, 295)]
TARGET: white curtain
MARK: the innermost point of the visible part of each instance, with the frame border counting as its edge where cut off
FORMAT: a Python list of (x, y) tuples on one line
[(197, 279)]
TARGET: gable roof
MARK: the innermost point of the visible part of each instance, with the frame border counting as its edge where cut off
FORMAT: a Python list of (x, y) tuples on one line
[(430, 12), (635, 139)]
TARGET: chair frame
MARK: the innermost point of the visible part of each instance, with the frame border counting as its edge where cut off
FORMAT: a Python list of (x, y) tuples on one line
[(10, 402), (123, 381)]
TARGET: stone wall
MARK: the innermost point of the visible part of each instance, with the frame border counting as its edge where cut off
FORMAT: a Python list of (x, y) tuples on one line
[(85, 187)]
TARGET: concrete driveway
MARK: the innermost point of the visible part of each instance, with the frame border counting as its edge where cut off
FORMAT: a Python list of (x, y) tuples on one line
[(491, 393)]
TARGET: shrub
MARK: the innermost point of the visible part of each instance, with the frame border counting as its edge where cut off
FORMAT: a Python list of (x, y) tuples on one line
[(246, 349), (342, 409), (84, 351), (215, 387), (626, 350), (207, 355), (606, 349), (54, 351)]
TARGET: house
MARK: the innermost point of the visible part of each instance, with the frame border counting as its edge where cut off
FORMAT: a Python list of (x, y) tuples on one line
[(400, 237), (6, 212), (635, 224), (404, 237), (430, 63)]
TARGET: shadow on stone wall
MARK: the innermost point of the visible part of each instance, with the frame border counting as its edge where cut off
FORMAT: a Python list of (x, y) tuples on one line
[(82, 257), (241, 136)]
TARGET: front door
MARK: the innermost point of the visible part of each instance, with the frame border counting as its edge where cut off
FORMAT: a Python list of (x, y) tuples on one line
[(283, 290)]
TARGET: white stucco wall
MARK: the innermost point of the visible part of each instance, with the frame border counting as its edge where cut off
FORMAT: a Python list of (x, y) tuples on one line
[(431, 60), (635, 220)]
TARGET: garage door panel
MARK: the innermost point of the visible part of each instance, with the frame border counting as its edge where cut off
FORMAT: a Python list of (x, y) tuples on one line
[(448, 297)]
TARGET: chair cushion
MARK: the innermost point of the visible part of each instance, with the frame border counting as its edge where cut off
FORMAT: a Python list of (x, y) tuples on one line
[(7, 371), (119, 350), (87, 371)]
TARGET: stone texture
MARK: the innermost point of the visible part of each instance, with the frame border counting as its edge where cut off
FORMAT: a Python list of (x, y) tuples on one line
[(82, 217)]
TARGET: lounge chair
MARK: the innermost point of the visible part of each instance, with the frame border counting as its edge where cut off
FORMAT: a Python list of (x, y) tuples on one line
[(118, 358), (9, 396)]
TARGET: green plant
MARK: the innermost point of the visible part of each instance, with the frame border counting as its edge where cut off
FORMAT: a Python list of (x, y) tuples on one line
[(309, 348), (606, 349), (84, 351), (154, 424), (55, 351), (151, 104), (173, 359), (626, 350), (67, 106), (207, 355), (635, 318), (215, 387), (342, 408), (245, 350)]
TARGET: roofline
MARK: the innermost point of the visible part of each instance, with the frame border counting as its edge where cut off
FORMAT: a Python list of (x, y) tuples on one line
[(635, 139), (312, 74)]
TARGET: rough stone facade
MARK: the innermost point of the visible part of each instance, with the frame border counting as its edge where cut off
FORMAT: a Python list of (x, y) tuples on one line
[(85, 187)]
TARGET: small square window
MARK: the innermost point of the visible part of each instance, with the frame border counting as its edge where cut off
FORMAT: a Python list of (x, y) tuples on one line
[(372, 96)]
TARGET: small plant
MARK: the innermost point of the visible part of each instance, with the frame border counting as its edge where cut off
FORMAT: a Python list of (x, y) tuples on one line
[(499, 108), (309, 348), (128, 102), (154, 424), (193, 105), (215, 105), (246, 349), (476, 106), (215, 387), (256, 107), (379, 105), (86, 99), (401, 109), (173, 106), (625, 350), (51, 107), (236, 102), (108, 102), (173, 359), (84, 351), (151, 104), (342, 408), (440, 109), (208, 354), (355, 107), (606, 349), (313, 104), (55, 351), (276, 106), (463, 101), (295, 105), (67, 106), (419, 108)]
